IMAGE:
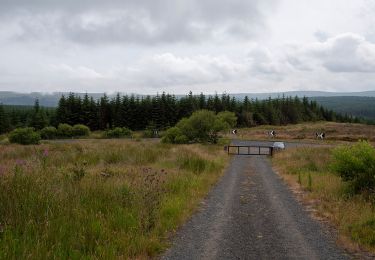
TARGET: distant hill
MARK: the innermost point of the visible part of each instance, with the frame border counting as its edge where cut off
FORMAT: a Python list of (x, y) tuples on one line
[(356, 106), (51, 99), (28, 99), (304, 94)]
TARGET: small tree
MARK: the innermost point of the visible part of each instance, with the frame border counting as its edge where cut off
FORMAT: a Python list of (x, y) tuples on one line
[(201, 126)]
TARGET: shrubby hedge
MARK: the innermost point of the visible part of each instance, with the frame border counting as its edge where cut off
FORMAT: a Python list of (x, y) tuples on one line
[(68, 131), (24, 136), (48, 133), (65, 130), (118, 132), (28, 135), (356, 165), (80, 130)]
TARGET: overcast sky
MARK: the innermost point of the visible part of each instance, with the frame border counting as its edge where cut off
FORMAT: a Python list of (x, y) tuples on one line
[(149, 46)]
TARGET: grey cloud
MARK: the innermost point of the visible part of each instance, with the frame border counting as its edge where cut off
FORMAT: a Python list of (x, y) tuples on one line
[(264, 62), (168, 69), (135, 21), (344, 53), (347, 53)]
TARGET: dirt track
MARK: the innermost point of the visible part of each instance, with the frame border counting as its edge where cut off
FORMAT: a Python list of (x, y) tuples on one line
[(251, 214)]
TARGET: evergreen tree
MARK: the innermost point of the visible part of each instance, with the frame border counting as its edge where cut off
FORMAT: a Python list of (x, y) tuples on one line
[(39, 118), (4, 120), (61, 111)]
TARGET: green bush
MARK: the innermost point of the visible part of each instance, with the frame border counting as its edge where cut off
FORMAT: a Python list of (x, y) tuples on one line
[(148, 133), (118, 132), (181, 139), (174, 135), (229, 118), (65, 130), (202, 126), (356, 165), (80, 130), (24, 136), (48, 133)]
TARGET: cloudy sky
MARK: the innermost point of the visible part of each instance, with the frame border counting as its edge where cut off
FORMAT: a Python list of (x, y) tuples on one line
[(149, 46)]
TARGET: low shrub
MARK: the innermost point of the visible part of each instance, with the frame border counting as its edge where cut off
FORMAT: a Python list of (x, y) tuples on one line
[(80, 130), (174, 135), (356, 165), (24, 136), (118, 132), (48, 133), (65, 130)]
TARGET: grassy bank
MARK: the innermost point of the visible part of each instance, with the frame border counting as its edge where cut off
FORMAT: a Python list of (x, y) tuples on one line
[(306, 131), (308, 172), (99, 198)]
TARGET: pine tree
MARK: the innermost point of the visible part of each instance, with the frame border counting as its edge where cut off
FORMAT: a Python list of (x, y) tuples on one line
[(39, 118), (116, 110), (85, 110), (4, 120), (61, 111)]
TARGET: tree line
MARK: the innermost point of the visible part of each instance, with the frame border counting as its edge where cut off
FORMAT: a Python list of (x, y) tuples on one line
[(163, 111)]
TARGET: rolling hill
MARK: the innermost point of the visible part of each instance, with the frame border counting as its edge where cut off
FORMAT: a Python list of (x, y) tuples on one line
[(354, 106)]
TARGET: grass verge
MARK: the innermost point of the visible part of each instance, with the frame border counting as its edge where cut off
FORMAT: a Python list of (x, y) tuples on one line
[(99, 198), (307, 171)]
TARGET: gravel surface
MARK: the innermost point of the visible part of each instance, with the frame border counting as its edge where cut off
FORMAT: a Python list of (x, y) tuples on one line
[(251, 214)]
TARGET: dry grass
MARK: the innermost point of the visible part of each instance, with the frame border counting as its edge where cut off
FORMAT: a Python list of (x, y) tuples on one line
[(353, 216), (101, 199), (345, 132)]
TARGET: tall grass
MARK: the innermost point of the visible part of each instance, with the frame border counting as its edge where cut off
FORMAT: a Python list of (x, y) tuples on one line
[(99, 199), (310, 169)]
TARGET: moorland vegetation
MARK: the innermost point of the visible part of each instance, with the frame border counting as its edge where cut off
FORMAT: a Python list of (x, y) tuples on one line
[(100, 199)]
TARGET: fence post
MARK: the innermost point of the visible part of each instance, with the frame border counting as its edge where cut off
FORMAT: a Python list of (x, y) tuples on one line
[(271, 151)]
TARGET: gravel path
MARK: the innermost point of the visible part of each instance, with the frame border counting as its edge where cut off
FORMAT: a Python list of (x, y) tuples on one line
[(251, 214)]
